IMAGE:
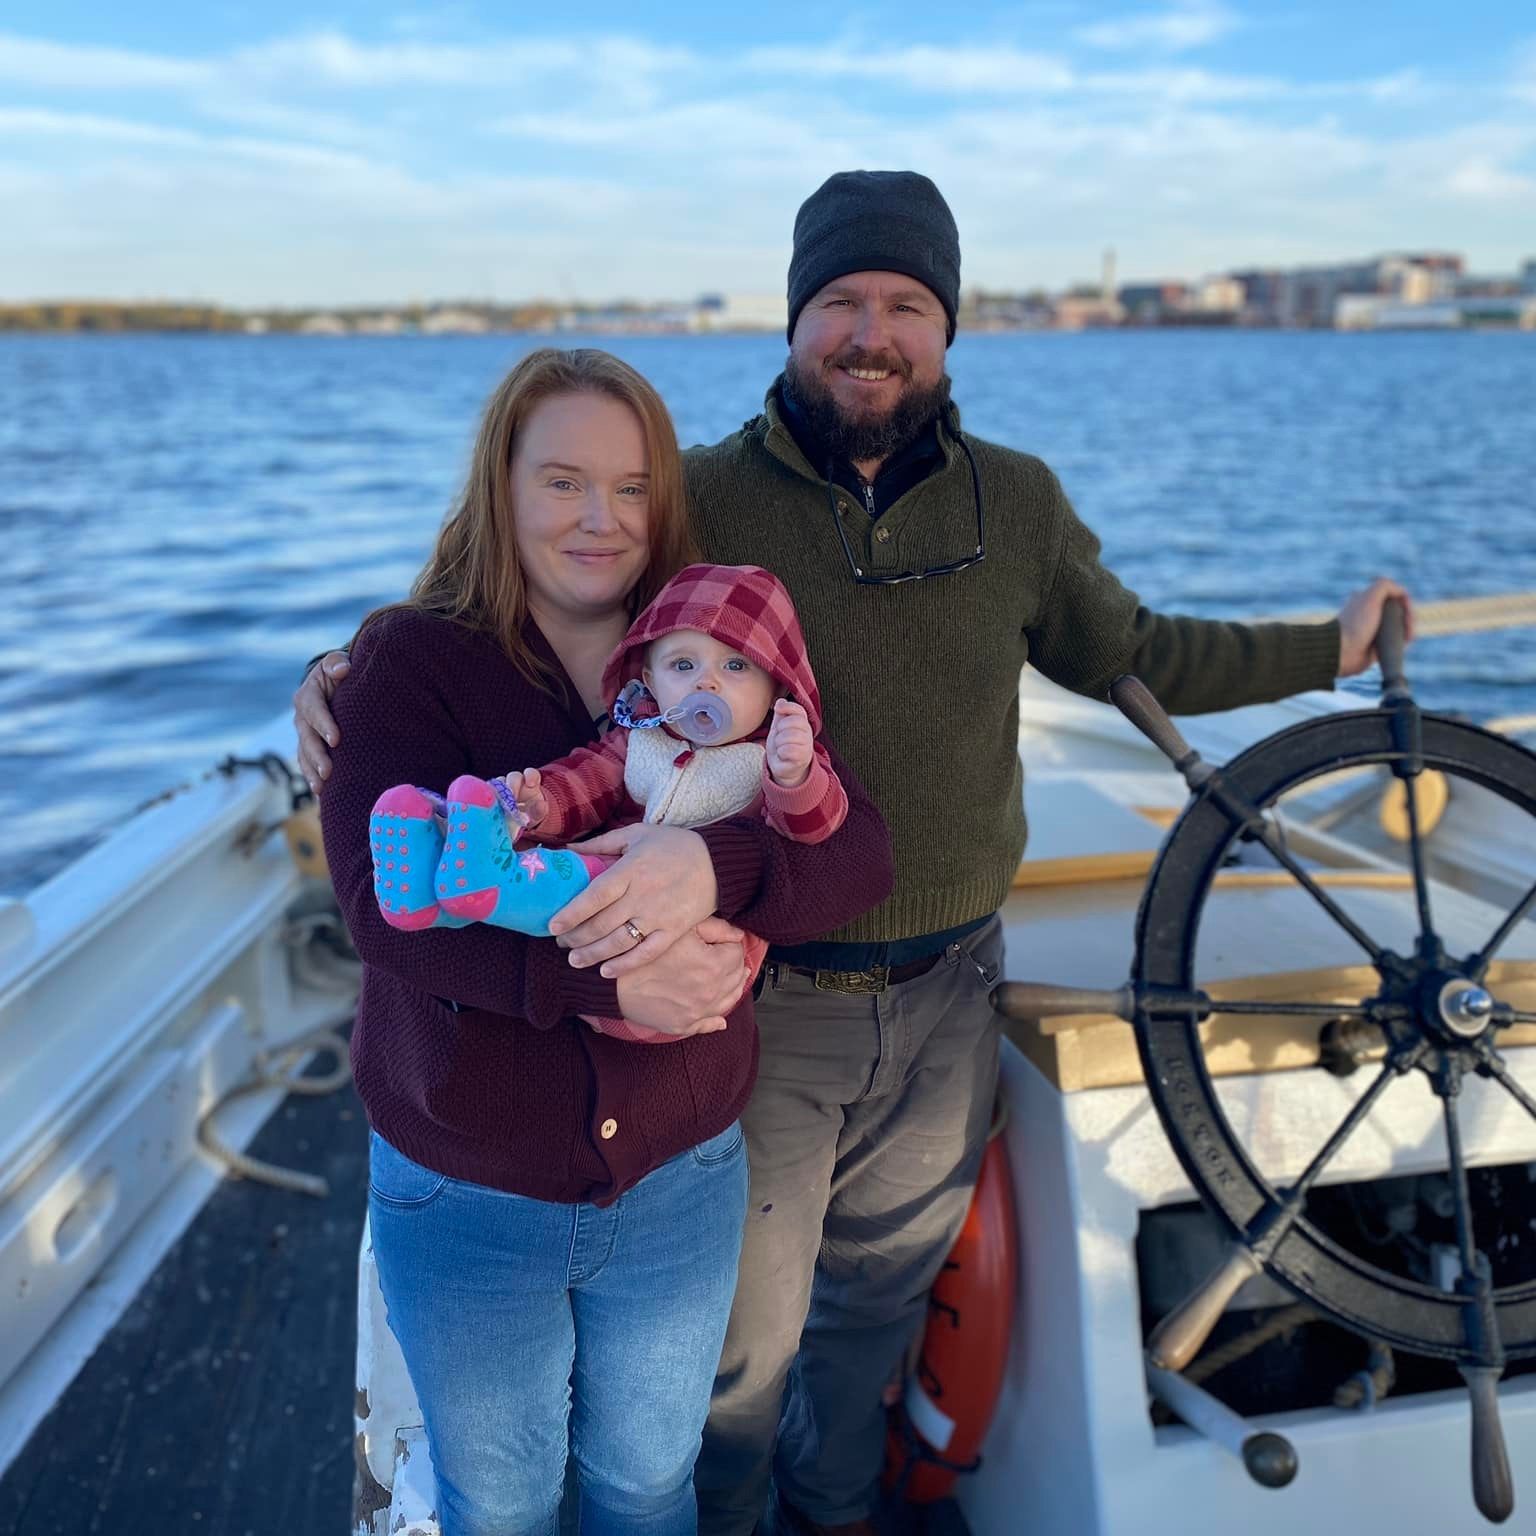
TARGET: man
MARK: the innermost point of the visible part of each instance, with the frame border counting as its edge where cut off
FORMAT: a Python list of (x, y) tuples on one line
[(927, 567)]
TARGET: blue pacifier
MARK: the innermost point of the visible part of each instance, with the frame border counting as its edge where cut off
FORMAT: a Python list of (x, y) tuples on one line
[(702, 718)]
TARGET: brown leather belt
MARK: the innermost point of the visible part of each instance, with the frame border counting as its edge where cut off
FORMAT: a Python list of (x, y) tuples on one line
[(876, 979)]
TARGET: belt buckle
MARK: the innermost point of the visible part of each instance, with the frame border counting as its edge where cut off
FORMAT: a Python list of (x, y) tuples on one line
[(858, 983)]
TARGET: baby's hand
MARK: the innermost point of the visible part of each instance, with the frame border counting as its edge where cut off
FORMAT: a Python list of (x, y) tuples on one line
[(789, 745), (531, 799)]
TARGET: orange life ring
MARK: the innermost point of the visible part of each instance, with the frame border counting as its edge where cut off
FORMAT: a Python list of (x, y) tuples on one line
[(937, 1429)]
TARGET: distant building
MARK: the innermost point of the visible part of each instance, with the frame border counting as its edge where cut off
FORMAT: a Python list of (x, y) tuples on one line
[(1481, 285), (1422, 277), (1079, 311), (460, 322), (981, 311), (628, 319), (1309, 296), (1220, 296), (742, 312), (1152, 303), (1261, 295), (1528, 276), (322, 325), (1499, 310), (1374, 312)]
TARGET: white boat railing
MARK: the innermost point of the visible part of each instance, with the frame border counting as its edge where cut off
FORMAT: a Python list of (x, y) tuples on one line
[(138, 989)]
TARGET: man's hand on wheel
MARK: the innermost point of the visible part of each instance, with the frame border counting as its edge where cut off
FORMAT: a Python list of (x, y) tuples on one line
[(1360, 619)]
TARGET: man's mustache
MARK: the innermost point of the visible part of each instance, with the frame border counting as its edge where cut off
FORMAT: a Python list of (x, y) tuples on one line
[(873, 362)]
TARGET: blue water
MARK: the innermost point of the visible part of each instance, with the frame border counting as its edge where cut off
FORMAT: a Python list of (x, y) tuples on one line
[(187, 519)]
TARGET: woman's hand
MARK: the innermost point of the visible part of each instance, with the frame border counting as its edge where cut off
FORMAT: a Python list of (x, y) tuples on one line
[(691, 988), (663, 886), (312, 717)]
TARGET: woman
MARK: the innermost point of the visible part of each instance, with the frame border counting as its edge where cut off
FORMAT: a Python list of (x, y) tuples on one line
[(556, 1214)]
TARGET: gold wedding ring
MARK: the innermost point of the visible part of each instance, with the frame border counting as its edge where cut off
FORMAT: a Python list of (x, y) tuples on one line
[(634, 932)]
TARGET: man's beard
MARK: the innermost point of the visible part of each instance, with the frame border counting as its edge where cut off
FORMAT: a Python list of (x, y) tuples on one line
[(859, 439)]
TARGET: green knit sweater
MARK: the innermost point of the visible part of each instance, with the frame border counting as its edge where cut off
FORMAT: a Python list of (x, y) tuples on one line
[(919, 682)]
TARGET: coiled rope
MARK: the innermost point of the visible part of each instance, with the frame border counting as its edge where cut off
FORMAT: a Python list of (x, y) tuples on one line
[(279, 1070), (324, 969)]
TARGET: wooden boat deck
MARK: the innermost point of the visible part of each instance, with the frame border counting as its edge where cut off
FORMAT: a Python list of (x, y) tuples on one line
[(221, 1402)]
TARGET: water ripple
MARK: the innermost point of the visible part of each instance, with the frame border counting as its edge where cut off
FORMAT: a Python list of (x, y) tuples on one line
[(186, 519)]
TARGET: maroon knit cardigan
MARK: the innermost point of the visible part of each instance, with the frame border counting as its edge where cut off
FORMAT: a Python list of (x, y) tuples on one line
[(466, 1050)]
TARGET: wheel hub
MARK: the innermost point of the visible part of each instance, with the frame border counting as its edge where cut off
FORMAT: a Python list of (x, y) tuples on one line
[(1464, 1008)]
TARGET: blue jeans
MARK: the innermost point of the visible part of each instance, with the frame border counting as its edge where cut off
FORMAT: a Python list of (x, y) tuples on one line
[(529, 1328)]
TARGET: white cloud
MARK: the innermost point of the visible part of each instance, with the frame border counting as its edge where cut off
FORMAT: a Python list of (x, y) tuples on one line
[(673, 138), (952, 70), (1182, 27), (1483, 181), (40, 122), (964, 71), (322, 168), (333, 59), (27, 61), (19, 122), (1404, 85), (250, 110)]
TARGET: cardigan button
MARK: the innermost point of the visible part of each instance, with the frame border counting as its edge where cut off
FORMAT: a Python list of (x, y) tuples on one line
[(882, 535), (608, 1130)]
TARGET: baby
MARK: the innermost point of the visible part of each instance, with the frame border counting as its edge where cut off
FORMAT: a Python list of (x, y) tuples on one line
[(716, 712)]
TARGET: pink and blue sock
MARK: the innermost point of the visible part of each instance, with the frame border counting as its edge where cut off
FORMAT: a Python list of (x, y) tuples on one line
[(483, 877), (407, 845)]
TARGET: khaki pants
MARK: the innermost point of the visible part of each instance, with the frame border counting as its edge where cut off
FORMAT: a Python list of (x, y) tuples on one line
[(864, 1135)]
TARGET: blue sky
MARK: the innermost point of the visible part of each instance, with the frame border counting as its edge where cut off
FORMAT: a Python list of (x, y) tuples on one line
[(357, 153)]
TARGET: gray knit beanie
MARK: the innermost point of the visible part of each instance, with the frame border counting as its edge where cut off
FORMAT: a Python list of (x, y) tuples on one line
[(875, 221)]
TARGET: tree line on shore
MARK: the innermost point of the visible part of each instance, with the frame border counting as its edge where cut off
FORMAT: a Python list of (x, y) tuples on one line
[(100, 315), (92, 316)]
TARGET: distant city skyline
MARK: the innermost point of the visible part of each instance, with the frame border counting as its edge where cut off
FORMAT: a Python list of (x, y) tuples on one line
[(283, 156)]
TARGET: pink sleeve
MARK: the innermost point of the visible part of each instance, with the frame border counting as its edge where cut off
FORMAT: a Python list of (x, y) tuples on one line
[(584, 789), (790, 893), (812, 811)]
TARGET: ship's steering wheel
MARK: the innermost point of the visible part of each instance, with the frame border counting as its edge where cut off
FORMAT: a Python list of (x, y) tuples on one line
[(1432, 1012)]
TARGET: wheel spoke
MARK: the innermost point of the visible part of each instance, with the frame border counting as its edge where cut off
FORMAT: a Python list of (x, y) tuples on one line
[(1323, 899), (1267, 1231), (1350, 1123), (1493, 1065), (1449, 1101), (1480, 960), (1249, 820), (1296, 1010), (1416, 854)]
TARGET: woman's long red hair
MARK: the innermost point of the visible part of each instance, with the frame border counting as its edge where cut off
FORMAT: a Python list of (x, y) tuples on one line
[(473, 575)]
